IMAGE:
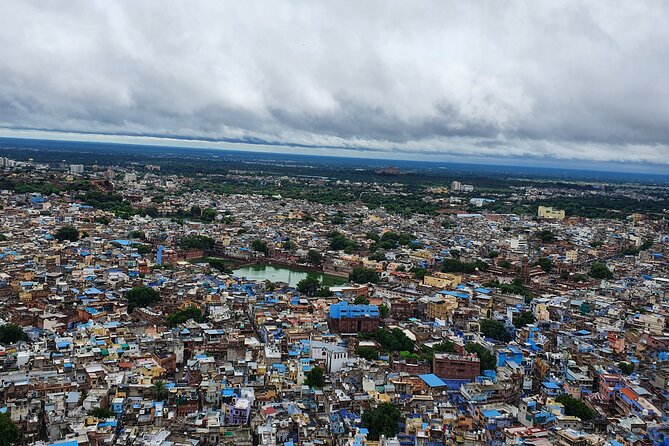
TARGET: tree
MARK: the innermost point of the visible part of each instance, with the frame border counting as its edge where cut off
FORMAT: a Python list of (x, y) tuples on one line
[(314, 257), (384, 311), (369, 353), (100, 413), (144, 249), (626, 368), (137, 234), (494, 329), (394, 340), (458, 266), (574, 407), (323, 291), (525, 318), (363, 275), (67, 233), (504, 264), (361, 300), (339, 242), (419, 273), (11, 333), (378, 257), (182, 316), (9, 433), (487, 359), (546, 235), (315, 378), (159, 389), (545, 263), (260, 246), (599, 270), (308, 286), (220, 265), (444, 347), (141, 296), (197, 241), (208, 215), (382, 420)]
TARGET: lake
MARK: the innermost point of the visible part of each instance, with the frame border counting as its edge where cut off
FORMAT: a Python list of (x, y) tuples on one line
[(286, 274)]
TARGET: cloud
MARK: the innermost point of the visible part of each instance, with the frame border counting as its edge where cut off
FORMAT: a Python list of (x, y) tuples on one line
[(563, 79)]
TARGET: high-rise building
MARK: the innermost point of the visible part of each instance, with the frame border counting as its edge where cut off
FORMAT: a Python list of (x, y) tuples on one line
[(76, 168)]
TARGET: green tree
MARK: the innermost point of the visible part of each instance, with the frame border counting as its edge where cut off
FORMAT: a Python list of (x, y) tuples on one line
[(419, 273), (308, 286), (546, 235), (101, 413), (371, 235), (220, 265), (487, 360), (314, 257), (11, 333), (394, 340), (494, 329), (504, 264), (524, 319), (182, 316), (159, 389), (339, 242), (315, 378), (574, 407), (444, 347), (599, 270), (208, 215), (626, 368), (369, 353), (363, 275), (197, 241), (9, 433), (381, 420), (67, 233), (260, 246), (384, 311), (137, 234), (323, 292), (144, 249), (361, 300), (141, 296), (545, 263), (458, 266)]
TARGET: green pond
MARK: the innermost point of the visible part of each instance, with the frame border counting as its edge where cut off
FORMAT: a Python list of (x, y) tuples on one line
[(285, 274)]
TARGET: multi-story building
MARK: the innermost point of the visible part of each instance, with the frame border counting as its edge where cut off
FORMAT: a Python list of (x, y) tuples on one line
[(452, 366), (550, 213), (347, 318)]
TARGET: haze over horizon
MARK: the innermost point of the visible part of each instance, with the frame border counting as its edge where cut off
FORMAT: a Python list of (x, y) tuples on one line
[(554, 83)]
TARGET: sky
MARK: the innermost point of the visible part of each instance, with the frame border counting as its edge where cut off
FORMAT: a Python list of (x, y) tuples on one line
[(559, 82)]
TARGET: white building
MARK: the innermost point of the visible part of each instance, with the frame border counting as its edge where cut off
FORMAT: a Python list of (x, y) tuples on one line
[(333, 355)]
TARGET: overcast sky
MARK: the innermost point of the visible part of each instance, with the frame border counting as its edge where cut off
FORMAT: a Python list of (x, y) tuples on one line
[(565, 81)]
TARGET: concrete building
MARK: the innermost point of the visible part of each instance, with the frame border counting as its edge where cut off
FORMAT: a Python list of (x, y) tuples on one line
[(452, 366), (550, 213)]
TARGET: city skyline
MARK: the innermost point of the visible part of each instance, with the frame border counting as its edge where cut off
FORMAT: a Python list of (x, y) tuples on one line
[(554, 83)]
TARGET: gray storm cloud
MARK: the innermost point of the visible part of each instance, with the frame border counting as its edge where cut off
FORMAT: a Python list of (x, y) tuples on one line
[(563, 79)]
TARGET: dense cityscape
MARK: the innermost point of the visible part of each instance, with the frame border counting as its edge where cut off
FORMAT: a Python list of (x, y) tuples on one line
[(168, 299)]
